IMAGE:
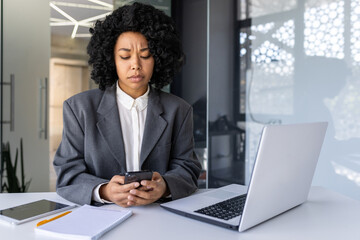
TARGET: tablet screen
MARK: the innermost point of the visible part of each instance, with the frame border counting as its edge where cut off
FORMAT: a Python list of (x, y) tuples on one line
[(32, 209)]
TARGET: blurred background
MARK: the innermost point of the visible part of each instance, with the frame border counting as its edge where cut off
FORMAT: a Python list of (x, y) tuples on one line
[(249, 63)]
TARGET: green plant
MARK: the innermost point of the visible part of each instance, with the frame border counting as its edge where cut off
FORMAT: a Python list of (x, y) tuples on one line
[(12, 183)]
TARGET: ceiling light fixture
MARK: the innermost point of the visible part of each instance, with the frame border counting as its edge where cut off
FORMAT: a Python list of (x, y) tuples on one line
[(88, 22), (62, 12), (79, 5), (102, 3)]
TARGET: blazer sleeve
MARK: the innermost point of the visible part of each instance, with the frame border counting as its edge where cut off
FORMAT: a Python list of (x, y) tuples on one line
[(184, 167), (74, 183)]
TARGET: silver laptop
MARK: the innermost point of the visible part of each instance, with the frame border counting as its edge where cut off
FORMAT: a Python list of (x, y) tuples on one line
[(281, 179)]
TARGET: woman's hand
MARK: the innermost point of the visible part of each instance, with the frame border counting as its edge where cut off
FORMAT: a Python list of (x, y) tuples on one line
[(149, 192), (117, 192)]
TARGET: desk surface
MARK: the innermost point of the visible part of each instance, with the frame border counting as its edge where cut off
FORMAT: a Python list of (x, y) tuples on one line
[(326, 215)]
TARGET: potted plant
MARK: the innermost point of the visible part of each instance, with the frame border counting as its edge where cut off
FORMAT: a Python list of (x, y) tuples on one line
[(9, 170)]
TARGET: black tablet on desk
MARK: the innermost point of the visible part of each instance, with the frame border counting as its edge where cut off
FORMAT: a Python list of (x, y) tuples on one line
[(33, 210)]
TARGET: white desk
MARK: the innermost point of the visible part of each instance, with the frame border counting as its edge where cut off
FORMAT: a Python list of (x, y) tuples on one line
[(326, 215)]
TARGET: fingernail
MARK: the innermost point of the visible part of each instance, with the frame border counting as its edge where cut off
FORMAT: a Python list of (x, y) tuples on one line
[(136, 184), (132, 191), (143, 183), (130, 198)]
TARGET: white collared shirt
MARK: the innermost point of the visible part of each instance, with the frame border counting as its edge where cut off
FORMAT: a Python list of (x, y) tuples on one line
[(132, 117), (132, 114)]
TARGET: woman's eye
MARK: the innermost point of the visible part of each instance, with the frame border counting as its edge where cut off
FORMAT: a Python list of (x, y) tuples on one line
[(124, 57), (146, 57)]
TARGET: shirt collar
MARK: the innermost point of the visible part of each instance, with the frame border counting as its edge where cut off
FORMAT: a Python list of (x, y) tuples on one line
[(128, 102)]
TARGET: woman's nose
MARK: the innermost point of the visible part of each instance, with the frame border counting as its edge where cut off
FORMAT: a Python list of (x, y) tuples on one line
[(136, 65)]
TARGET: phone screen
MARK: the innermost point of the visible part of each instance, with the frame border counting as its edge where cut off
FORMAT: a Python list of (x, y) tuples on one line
[(137, 176)]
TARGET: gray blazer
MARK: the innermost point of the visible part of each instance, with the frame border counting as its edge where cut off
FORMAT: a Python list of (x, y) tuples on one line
[(92, 149)]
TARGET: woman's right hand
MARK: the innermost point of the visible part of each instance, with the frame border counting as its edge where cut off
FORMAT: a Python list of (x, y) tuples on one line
[(116, 191)]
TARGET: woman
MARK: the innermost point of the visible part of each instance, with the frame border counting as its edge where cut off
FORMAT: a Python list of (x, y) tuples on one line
[(126, 124)]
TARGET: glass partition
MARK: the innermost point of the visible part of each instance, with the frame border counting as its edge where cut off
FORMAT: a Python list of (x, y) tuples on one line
[(25, 52), (1, 89), (300, 63)]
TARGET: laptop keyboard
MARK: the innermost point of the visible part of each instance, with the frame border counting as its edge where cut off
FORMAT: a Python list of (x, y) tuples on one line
[(225, 210)]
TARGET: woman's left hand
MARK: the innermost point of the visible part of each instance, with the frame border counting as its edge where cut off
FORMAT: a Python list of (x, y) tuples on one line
[(149, 192)]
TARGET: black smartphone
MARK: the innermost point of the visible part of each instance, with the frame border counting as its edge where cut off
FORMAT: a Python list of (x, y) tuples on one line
[(138, 176)]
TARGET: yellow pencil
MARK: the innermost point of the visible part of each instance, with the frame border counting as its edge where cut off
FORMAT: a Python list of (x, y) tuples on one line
[(52, 219)]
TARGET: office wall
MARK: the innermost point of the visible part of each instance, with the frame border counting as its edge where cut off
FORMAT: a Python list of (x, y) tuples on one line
[(62, 46)]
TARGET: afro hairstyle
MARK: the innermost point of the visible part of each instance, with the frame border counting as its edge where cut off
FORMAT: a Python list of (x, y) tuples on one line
[(159, 30)]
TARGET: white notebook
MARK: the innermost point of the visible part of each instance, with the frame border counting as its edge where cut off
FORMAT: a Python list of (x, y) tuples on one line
[(86, 222)]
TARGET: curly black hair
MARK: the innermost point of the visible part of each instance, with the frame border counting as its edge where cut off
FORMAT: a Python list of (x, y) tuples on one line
[(159, 30)]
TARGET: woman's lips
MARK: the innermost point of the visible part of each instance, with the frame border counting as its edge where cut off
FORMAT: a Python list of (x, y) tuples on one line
[(136, 78)]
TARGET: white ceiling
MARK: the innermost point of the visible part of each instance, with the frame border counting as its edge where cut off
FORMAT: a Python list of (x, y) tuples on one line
[(74, 17)]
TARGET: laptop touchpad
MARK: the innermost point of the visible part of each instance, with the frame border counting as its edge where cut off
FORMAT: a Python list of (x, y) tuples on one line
[(221, 194)]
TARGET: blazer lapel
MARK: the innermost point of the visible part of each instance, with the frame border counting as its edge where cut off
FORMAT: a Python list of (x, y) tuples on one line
[(155, 124), (109, 125)]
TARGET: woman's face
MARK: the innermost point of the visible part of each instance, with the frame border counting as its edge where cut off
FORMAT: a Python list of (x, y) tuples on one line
[(134, 63)]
